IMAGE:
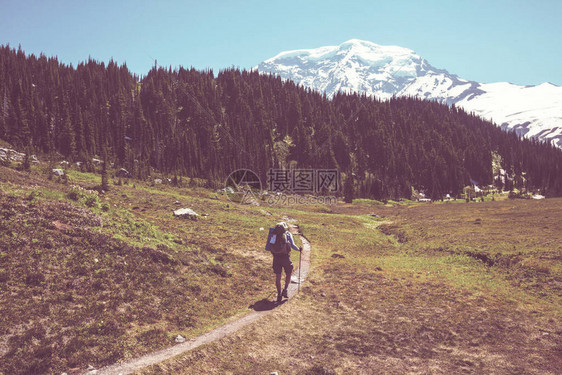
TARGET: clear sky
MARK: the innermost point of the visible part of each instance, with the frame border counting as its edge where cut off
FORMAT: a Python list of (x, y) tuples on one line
[(482, 40)]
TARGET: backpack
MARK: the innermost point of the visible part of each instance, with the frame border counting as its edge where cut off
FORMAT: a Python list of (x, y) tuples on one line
[(277, 242)]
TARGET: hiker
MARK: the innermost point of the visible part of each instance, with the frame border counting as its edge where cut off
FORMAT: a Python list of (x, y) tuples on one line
[(279, 242)]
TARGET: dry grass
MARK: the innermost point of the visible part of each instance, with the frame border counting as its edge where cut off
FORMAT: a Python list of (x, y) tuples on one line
[(399, 302), (432, 288), (88, 279)]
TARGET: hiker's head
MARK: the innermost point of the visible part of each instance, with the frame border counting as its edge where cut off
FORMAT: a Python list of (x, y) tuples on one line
[(283, 225)]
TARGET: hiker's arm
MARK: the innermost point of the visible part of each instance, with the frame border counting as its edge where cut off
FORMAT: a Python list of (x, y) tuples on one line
[(292, 243)]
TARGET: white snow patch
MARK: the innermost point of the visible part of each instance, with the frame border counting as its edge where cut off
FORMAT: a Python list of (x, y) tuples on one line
[(386, 71)]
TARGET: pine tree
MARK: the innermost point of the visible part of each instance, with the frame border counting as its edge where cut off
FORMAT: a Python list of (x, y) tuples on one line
[(349, 189), (2, 127), (67, 138), (104, 173), (3, 114), (26, 165)]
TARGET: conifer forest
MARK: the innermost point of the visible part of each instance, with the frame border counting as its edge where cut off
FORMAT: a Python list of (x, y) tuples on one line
[(185, 122)]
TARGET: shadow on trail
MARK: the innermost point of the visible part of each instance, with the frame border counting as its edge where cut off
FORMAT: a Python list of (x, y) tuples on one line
[(261, 308), (265, 305)]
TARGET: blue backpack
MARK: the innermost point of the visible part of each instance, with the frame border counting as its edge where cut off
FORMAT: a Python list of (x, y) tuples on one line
[(277, 242)]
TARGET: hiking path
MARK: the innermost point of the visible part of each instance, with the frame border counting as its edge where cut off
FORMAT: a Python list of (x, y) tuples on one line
[(259, 310)]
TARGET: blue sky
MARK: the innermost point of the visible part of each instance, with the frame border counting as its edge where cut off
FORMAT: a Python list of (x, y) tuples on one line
[(486, 41)]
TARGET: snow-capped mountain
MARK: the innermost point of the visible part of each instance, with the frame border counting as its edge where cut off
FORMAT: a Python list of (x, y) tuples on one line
[(384, 71)]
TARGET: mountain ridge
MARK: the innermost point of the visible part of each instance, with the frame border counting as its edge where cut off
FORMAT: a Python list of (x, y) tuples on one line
[(533, 111)]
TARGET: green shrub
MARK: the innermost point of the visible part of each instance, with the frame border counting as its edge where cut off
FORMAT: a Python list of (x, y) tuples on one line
[(32, 195), (75, 195), (92, 201)]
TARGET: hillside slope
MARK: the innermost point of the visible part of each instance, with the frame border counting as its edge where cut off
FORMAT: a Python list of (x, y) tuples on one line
[(89, 279)]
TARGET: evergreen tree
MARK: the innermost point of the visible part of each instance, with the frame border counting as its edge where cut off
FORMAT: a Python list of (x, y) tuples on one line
[(349, 190), (67, 137), (26, 164), (104, 172)]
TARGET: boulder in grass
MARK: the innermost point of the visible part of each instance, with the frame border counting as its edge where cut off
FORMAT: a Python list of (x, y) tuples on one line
[(180, 338), (17, 156), (123, 173), (7, 154), (58, 172), (186, 213)]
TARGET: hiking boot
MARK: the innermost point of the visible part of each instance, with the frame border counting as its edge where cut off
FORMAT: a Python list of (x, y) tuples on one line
[(279, 297), (284, 293)]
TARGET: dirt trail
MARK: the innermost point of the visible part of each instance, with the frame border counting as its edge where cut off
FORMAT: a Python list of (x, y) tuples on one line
[(133, 365)]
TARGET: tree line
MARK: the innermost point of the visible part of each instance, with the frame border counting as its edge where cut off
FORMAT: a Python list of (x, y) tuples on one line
[(185, 122)]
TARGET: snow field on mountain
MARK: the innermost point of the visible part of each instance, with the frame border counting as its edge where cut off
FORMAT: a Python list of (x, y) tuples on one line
[(386, 71)]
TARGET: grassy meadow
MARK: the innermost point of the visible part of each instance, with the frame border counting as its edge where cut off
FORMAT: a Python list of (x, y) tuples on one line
[(92, 279)]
